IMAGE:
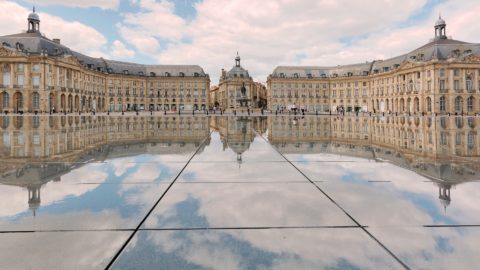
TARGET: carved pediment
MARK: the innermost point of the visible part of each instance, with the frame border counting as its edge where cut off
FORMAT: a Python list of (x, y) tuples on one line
[(9, 52), (472, 58), (71, 60)]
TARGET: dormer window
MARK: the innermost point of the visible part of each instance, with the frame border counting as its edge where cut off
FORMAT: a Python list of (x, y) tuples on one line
[(323, 75), (181, 74), (140, 73), (375, 71), (152, 74), (125, 72), (350, 74), (309, 75), (109, 70), (365, 73), (167, 74), (295, 75), (385, 69), (196, 74)]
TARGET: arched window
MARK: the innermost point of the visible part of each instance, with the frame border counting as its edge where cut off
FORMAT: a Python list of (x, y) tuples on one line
[(442, 104), (6, 75), (36, 101), (470, 101), (458, 103)]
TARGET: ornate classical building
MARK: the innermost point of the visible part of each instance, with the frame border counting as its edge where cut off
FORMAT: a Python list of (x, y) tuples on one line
[(443, 76), (237, 90), (42, 75)]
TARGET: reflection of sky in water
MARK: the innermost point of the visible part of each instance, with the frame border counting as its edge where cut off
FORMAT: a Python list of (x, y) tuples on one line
[(103, 194), (390, 198), (230, 249)]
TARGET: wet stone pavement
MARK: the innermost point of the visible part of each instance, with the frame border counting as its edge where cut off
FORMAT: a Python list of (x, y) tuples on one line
[(226, 192)]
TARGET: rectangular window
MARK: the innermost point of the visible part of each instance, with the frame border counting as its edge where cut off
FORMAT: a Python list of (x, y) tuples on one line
[(36, 80), (20, 80), (441, 85), (458, 138), (6, 78), (442, 72), (443, 138), (456, 85), (36, 139), (20, 67), (36, 68)]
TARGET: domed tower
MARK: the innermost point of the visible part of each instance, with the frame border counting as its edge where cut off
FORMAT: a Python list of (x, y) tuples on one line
[(237, 60), (440, 29), (444, 195), (33, 22)]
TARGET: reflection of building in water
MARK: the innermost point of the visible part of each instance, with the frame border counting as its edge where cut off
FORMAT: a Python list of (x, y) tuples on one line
[(444, 149), (38, 149), (237, 133)]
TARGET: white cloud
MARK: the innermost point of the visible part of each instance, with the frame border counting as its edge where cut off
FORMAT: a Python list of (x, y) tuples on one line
[(119, 50), (103, 4), (77, 36), (269, 33)]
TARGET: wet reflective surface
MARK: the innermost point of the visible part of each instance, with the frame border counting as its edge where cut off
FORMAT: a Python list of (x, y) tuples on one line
[(246, 192)]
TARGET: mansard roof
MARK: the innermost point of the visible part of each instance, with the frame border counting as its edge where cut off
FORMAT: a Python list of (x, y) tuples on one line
[(439, 49), (36, 43)]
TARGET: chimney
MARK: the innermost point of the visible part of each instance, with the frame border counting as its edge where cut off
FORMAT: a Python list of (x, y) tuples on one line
[(56, 40)]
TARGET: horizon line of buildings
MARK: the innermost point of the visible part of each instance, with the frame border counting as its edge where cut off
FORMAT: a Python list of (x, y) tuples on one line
[(42, 75)]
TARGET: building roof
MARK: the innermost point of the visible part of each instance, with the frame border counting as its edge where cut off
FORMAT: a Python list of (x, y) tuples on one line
[(437, 49), (36, 43), (238, 72)]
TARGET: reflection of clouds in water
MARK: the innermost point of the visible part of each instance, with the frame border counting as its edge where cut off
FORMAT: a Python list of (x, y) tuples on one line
[(143, 173), (246, 172), (260, 249), (13, 200), (16, 198), (61, 250), (433, 248), (407, 199), (121, 165), (235, 205)]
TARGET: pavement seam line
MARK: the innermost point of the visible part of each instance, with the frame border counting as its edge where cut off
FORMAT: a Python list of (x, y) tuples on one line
[(153, 207)]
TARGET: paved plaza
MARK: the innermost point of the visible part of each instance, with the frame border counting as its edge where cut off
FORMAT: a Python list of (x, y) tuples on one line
[(230, 193)]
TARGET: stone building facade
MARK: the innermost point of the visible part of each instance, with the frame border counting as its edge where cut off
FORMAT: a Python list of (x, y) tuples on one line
[(237, 90), (443, 76), (42, 75)]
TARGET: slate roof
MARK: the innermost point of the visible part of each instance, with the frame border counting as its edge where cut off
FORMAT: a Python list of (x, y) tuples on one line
[(36, 43), (439, 49)]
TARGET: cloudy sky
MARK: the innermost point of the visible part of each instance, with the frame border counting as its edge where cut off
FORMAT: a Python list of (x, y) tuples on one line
[(267, 33)]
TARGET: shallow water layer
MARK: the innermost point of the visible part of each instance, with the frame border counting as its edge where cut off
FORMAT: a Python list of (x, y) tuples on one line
[(239, 192)]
